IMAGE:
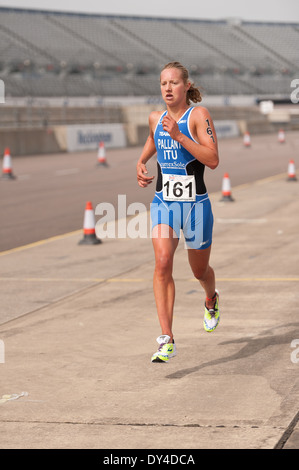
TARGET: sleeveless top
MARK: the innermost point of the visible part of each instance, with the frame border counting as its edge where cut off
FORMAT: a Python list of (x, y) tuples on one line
[(174, 159)]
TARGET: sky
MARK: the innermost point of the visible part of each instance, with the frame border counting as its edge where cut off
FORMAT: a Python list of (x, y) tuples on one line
[(252, 10)]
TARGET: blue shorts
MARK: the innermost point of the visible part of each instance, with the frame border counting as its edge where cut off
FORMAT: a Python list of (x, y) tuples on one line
[(194, 218)]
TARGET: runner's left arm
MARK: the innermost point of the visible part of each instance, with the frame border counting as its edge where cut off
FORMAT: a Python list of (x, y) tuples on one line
[(207, 150)]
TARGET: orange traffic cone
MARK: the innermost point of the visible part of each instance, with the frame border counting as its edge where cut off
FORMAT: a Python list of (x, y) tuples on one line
[(291, 171), (226, 188), (281, 136), (89, 227), (102, 155), (246, 139), (7, 166)]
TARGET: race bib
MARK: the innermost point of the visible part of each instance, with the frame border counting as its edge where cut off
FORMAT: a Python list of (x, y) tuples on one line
[(179, 188)]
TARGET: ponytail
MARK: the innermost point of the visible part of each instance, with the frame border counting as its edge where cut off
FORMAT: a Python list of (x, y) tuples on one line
[(193, 94)]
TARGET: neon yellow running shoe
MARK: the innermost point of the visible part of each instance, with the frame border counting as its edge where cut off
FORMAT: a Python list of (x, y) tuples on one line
[(166, 350), (212, 317)]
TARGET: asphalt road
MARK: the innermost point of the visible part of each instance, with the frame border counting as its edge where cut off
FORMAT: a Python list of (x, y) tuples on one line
[(49, 194), (64, 305)]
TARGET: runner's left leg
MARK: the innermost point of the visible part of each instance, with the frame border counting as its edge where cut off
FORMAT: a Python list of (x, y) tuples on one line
[(199, 263)]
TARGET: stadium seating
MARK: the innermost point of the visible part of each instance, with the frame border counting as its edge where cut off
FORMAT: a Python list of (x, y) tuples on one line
[(60, 54)]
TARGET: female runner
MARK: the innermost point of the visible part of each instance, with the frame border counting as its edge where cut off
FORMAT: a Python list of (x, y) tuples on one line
[(185, 141)]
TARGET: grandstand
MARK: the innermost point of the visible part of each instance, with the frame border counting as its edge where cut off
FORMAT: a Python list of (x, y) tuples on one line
[(63, 70), (54, 54)]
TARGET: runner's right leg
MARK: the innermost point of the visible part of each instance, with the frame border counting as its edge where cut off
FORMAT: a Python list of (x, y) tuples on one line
[(165, 242)]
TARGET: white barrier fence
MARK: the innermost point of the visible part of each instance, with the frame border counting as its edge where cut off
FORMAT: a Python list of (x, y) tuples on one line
[(226, 128), (88, 137)]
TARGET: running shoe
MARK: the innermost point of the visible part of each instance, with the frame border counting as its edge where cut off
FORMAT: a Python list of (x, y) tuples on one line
[(166, 350), (212, 317)]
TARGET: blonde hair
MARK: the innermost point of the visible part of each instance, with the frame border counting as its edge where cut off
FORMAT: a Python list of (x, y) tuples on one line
[(193, 94)]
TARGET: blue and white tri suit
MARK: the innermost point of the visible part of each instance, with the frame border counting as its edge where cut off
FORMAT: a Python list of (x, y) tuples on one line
[(181, 200)]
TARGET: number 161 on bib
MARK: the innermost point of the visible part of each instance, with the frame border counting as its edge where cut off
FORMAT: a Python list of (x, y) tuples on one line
[(180, 188)]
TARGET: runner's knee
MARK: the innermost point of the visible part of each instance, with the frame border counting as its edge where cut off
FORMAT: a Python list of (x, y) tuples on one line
[(200, 272), (163, 265)]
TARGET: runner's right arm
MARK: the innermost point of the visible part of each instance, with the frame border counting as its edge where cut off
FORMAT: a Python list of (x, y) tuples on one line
[(148, 151)]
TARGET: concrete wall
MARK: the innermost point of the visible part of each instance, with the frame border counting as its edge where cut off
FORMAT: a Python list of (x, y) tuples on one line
[(52, 138), (29, 141)]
